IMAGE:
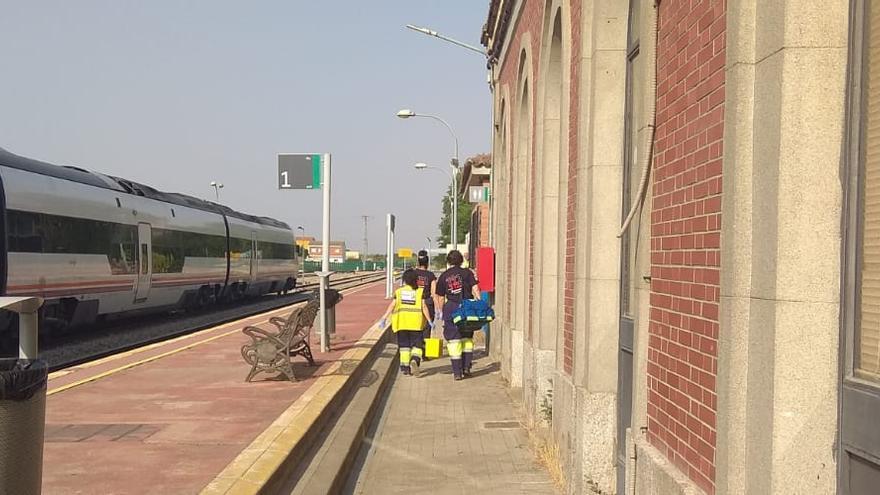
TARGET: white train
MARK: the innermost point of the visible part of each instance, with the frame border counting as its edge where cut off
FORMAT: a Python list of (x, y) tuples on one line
[(94, 245)]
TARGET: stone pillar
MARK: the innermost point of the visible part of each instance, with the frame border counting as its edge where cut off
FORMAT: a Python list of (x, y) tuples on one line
[(780, 243)]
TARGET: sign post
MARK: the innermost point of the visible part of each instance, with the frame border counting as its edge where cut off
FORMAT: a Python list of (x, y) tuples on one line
[(404, 254), (312, 171), (389, 261)]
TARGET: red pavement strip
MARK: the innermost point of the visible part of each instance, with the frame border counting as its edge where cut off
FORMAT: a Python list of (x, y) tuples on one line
[(165, 422)]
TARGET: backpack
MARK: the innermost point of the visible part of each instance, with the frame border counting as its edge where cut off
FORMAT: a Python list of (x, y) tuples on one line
[(472, 314)]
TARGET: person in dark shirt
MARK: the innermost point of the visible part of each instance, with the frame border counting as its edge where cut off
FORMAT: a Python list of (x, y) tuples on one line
[(427, 281), (455, 285)]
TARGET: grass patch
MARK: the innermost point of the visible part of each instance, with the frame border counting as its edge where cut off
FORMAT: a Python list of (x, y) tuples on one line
[(547, 453)]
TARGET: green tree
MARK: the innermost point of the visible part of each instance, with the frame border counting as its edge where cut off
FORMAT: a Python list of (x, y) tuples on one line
[(464, 218)]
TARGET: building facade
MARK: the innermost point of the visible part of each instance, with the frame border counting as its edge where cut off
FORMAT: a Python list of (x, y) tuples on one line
[(337, 251), (684, 216), (475, 187)]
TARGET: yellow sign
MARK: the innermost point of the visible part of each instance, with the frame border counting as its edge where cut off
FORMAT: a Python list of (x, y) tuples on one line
[(404, 253)]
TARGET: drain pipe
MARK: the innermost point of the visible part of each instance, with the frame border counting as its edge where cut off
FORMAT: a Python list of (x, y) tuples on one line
[(652, 128)]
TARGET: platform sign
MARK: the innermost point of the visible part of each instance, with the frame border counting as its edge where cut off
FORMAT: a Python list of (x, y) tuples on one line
[(299, 171), (478, 194), (404, 253)]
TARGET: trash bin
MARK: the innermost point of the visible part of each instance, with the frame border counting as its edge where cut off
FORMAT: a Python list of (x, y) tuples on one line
[(22, 421), (332, 298)]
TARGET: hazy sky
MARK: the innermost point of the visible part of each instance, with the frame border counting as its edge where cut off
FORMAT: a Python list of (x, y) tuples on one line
[(176, 94)]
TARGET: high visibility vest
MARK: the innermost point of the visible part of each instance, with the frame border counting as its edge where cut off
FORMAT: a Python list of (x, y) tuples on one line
[(407, 314)]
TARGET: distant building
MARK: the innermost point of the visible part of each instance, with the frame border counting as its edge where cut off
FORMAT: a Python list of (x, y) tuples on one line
[(337, 251), (303, 244), (352, 255), (474, 187)]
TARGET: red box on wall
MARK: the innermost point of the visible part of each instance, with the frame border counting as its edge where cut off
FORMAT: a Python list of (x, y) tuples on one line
[(486, 268)]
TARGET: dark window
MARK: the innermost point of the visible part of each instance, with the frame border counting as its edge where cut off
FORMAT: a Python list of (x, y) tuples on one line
[(239, 248), (275, 250), (144, 259), (172, 247), (31, 232)]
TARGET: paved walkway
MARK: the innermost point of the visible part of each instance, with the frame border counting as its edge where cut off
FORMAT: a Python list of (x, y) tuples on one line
[(473, 444), (132, 425)]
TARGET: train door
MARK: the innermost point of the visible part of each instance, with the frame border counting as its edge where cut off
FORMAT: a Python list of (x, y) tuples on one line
[(255, 258), (145, 262)]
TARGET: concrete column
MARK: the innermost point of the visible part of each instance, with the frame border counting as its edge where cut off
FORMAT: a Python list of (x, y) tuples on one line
[(780, 243), (591, 390)]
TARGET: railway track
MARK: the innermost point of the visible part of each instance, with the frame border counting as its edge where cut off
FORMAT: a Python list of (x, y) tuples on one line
[(128, 334)]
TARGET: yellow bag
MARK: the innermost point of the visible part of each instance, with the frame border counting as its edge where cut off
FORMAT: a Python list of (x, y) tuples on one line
[(432, 348)]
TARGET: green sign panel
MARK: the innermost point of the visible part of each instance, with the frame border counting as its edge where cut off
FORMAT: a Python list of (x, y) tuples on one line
[(299, 171)]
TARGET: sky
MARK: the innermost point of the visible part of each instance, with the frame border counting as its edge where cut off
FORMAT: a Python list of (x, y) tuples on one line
[(176, 94)]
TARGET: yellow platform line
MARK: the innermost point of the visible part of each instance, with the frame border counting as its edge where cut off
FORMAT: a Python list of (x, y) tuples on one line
[(139, 350), (137, 363), (257, 463)]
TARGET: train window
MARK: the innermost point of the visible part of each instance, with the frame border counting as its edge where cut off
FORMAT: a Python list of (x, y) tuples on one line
[(240, 248), (171, 248), (24, 235), (31, 232), (275, 250), (145, 259)]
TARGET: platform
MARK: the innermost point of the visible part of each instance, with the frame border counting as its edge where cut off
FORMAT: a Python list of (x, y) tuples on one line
[(442, 436), (171, 417)]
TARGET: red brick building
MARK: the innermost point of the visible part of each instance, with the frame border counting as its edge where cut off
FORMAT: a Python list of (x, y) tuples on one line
[(666, 184), (475, 187)]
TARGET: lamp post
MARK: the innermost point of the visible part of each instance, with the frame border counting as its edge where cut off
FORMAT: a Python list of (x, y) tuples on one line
[(431, 32), (217, 186), (407, 113)]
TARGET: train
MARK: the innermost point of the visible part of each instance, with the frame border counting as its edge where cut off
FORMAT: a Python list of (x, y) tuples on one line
[(97, 247)]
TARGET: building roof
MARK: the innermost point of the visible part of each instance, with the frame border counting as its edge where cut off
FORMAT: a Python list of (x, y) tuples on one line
[(475, 170), (495, 29), (319, 244)]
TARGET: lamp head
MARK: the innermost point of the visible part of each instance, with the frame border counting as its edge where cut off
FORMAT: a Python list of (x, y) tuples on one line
[(420, 166), (406, 113), (213, 183)]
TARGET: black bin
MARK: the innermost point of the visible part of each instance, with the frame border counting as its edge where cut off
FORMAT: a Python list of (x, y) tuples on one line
[(332, 297), (22, 422)]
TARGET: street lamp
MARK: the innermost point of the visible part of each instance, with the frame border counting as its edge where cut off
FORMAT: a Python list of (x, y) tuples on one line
[(453, 225), (217, 186), (407, 113), (431, 32)]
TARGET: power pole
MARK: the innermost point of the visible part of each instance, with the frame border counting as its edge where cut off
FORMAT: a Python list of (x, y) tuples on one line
[(366, 219)]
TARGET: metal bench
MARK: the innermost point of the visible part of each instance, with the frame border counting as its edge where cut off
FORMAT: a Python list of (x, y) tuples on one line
[(274, 351)]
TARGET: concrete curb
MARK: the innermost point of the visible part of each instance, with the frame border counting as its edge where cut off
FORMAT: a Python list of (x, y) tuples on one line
[(266, 465), (328, 470)]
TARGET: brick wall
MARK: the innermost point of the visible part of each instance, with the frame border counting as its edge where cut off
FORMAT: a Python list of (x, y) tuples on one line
[(484, 225), (685, 236), (529, 21), (568, 326)]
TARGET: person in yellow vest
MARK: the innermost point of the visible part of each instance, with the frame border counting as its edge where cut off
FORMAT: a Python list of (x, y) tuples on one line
[(408, 313)]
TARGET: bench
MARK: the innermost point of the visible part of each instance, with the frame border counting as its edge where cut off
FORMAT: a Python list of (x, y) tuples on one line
[(274, 351)]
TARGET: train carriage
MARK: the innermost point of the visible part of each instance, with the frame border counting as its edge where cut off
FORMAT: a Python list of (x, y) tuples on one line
[(95, 246)]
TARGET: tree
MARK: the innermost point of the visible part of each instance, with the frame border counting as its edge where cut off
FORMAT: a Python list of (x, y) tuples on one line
[(464, 219)]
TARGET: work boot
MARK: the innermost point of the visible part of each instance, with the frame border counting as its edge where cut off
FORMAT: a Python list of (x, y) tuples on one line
[(414, 366)]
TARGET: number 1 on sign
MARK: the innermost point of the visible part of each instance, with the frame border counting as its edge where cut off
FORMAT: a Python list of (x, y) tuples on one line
[(284, 181)]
